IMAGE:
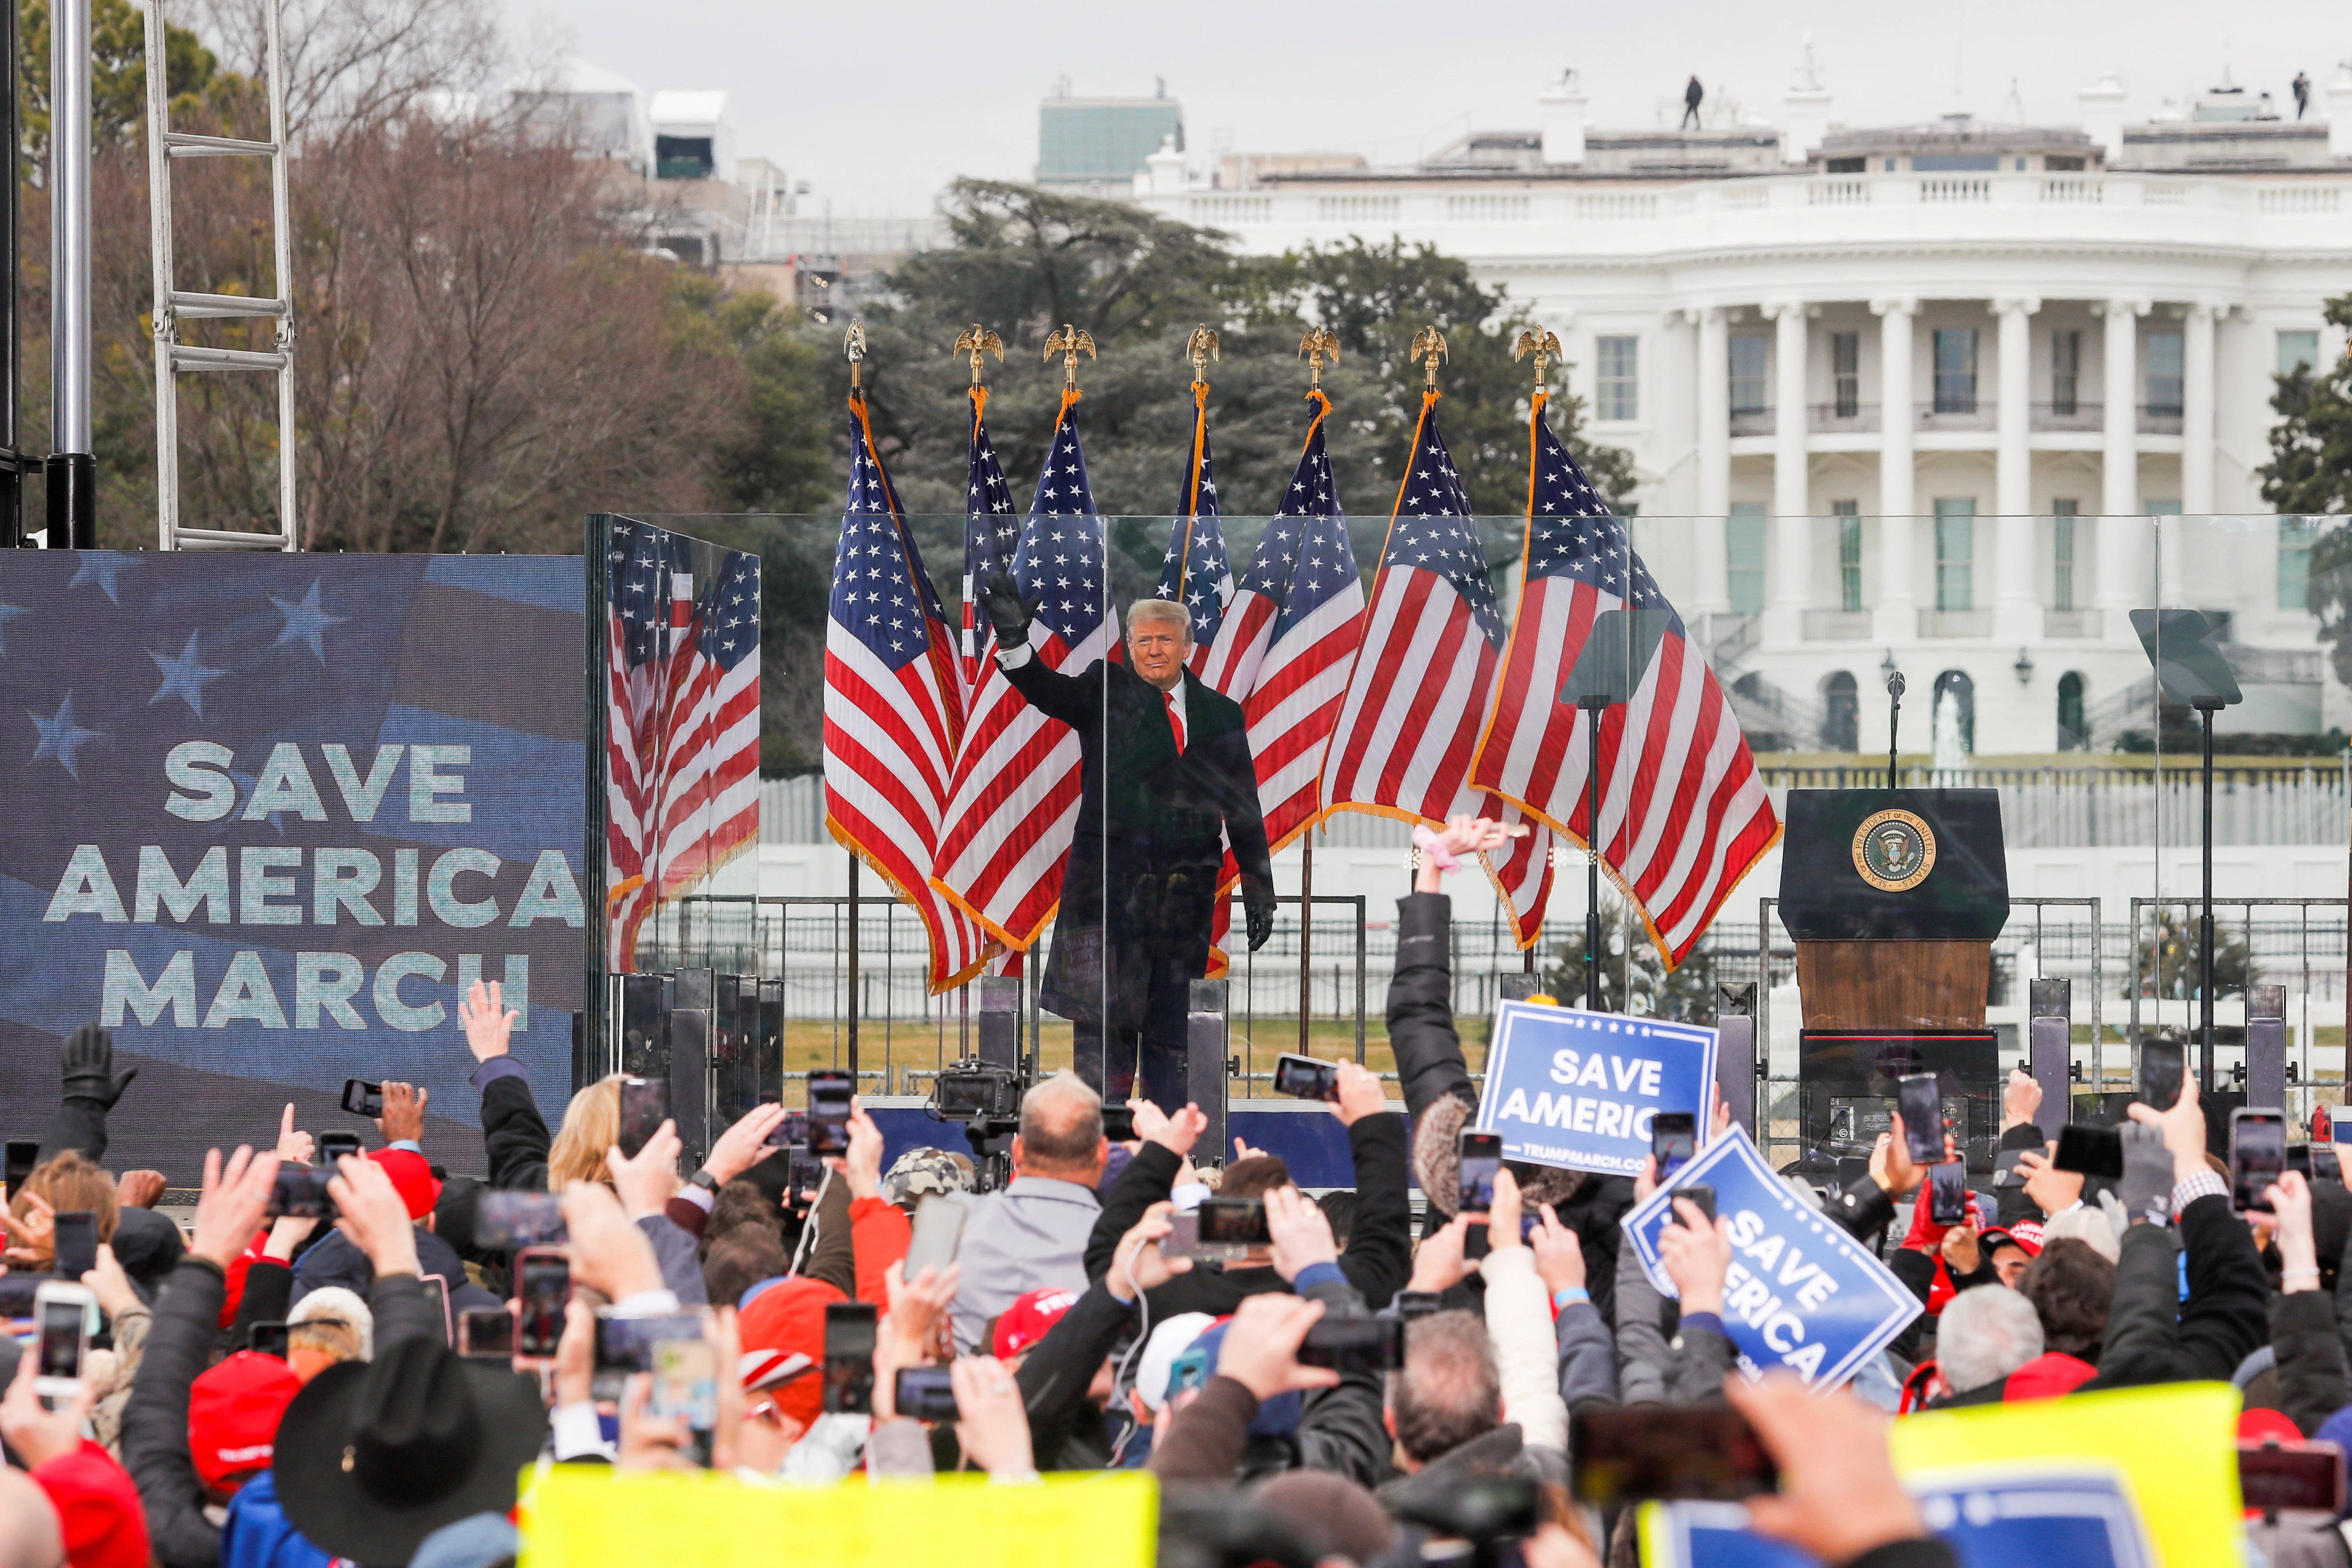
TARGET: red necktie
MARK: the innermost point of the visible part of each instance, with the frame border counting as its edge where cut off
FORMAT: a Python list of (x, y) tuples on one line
[(1175, 721)]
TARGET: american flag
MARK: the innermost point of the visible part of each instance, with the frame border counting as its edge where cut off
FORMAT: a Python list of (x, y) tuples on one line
[(1288, 636), (893, 708), (1196, 572), (650, 595), (1683, 815), (1015, 802), (709, 793), (1408, 724), (988, 536)]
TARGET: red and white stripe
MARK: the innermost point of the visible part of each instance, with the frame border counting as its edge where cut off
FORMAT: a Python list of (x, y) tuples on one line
[(1407, 725)]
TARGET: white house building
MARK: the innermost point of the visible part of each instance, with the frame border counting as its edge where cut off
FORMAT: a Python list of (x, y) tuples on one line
[(1934, 397)]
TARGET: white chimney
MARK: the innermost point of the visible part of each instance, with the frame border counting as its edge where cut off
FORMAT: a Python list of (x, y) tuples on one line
[(1166, 168), (1805, 111), (2103, 114), (1565, 112), (2339, 112)]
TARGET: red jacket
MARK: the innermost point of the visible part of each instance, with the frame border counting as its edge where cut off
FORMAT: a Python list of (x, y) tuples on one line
[(97, 1508)]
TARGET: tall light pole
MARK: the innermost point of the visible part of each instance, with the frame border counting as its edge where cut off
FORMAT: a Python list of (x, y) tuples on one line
[(72, 468)]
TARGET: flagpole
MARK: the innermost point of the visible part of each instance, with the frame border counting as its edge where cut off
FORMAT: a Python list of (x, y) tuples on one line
[(854, 345), (1319, 343), (1544, 344)]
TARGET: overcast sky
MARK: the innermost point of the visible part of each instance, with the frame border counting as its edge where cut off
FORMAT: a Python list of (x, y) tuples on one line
[(878, 105)]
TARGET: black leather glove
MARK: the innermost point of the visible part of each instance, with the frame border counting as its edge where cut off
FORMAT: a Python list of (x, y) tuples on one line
[(1257, 903), (2146, 1186), (1008, 612), (87, 1064)]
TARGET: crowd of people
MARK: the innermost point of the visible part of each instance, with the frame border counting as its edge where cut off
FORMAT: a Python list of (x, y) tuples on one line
[(1076, 1337)]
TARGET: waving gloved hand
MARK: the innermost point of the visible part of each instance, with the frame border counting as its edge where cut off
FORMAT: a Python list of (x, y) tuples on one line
[(86, 1065), (1257, 904), (1008, 612)]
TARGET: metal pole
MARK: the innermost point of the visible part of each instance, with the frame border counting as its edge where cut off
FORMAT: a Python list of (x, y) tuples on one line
[(12, 457), (1305, 936), (2205, 925), (853, 968), (72, 466), (1592, 863)]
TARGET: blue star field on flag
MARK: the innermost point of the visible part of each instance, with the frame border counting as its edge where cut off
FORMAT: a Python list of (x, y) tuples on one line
[(1196, 570), (1575, 536), (879, 589), (727, 623), (643, 561), (1433, 532), (989, 534), (1060, 563), (1304, 558)]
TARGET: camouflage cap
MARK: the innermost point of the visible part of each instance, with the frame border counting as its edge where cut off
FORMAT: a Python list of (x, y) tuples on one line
[(920, 1171)]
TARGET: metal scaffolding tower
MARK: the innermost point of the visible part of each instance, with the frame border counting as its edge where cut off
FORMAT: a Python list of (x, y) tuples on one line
[(175, 359)]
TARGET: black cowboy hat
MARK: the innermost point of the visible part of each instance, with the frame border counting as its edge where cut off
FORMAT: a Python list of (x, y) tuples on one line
[(373, 1457)]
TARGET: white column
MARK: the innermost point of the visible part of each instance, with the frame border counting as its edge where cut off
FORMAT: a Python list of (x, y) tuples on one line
[(2122, 568), (1712, 439), (2016, 605), (1792, 529), (2197, 323), (1897, 619)]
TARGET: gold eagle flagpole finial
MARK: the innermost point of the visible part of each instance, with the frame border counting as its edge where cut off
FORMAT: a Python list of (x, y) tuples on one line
[(980, 340), (855, 346), (1428, 347), (1202, 347), (1320, 345), (1070, 342), (1540, 342)]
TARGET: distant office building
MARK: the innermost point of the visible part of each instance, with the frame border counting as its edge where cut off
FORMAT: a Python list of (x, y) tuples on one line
[(1095, 146)]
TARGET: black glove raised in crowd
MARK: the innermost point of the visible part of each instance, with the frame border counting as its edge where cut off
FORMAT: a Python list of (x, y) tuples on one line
[(1008, 612), (86, 1065)]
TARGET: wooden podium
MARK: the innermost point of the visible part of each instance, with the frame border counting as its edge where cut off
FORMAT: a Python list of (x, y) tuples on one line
[(1894, 898)]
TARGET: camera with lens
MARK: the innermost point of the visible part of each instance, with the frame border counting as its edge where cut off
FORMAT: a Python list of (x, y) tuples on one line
[(986, 1098)]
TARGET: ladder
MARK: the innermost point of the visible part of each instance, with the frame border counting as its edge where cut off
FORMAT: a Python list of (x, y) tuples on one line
[(175, 359)]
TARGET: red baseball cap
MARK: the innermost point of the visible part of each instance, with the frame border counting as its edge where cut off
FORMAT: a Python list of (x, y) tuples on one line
[(233, 1411), (2025, 1235), (1030, 1318), (787, 1318), (412, 1177)]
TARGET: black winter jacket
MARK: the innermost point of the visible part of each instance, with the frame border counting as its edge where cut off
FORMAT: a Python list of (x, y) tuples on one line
[(2155, 1337), (155, 1418), (514, 1134), (1378, 1262)]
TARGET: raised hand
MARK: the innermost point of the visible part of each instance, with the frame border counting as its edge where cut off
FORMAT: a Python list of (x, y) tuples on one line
[(488, 1023)]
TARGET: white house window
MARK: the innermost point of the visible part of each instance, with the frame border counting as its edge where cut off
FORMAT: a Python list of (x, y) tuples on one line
[(2298, 351), (1743, 548), (1618, 391), (1956, 552)]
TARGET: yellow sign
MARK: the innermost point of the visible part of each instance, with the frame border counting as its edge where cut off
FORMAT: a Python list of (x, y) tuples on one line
[(586, 1516), (2176, 1443), (1895, 850)]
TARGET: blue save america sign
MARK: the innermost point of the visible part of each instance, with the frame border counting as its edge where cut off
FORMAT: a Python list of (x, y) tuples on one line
[(2043, 1515), (1801, 1293), (1578, 1089)]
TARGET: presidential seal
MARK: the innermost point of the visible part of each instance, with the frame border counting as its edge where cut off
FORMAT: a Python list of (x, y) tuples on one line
[(1894, 851)]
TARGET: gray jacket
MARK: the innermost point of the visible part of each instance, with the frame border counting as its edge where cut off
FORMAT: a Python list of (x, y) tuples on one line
[(1653, 1369), (1026, 1238)]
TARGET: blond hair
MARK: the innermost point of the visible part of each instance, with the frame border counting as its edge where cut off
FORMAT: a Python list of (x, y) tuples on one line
[(591, 1124), (71, 1183)]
